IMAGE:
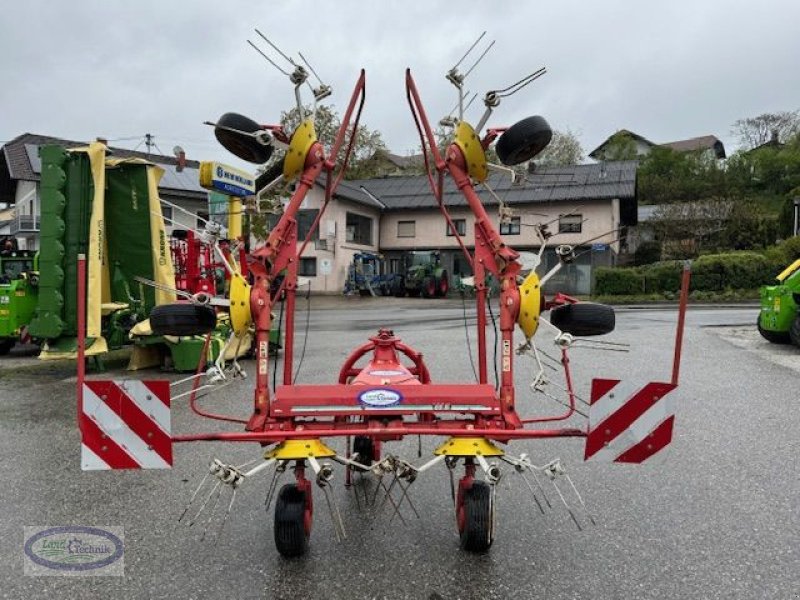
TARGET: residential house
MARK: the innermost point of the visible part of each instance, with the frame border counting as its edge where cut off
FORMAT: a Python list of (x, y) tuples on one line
[(641, 146)]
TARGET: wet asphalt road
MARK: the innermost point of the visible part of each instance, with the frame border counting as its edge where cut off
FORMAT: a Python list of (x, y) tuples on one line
[(715, 516)]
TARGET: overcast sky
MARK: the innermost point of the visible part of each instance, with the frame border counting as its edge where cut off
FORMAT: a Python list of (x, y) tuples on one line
[(666, 70)]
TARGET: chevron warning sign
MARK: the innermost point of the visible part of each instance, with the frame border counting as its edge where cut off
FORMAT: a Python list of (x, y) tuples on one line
[(125, 425), (628, 423)]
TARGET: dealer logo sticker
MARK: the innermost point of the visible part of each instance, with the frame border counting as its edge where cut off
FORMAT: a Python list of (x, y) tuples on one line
[(74, 550), (380, 398)]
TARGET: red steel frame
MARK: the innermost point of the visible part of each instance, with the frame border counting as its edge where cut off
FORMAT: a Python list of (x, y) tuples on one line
[(493, 414)]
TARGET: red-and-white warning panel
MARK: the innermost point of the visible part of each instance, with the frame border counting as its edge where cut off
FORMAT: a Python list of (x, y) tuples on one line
[(628, 422), (125, 425)]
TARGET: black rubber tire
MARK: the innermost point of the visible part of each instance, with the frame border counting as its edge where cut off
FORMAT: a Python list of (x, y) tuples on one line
[(413, 292), (523, 140), (182, 319), (365, 448), (794, 331), (773, 337), (269, 175), (238, 144), (291, 538), (584, 318), (442, 285), (477, 533), (6, 344)]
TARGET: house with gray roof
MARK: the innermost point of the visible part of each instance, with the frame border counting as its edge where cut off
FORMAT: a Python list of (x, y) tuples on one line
[(588, 206)]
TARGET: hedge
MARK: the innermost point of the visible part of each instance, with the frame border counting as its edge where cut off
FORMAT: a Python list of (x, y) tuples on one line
[(711, 273)]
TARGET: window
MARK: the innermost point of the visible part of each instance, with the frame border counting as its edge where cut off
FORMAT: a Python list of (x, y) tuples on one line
[(406, 229), (308, 266), (358, 229), (305, 219), (394, 265), (460, 225), (570, 223), (202, 217), (511, 227), (166, 212)]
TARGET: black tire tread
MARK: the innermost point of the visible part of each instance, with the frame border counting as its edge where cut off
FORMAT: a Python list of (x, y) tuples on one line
[(523, 140), (477, 533), (794, 331), (6, 345), (182, 319), (584, 318), (290, 535), (242, 146)]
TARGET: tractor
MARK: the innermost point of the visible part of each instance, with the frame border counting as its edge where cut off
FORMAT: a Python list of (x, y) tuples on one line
[(779, 319), (19, 291), (425, 275), (365, 277)]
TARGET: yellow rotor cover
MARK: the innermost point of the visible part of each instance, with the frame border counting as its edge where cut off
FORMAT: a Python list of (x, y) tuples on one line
[(530, 305), (240, 304), (302, 140), (470, 145), (468, 446)]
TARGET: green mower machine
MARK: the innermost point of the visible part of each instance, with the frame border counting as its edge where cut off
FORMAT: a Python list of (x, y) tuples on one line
[(779, 319)]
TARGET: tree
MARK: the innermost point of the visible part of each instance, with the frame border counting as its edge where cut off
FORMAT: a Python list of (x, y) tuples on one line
[(756, 131), (563, 149), (620, 146)]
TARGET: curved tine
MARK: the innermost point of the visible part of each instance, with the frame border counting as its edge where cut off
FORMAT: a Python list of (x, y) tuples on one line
[(522, 83)]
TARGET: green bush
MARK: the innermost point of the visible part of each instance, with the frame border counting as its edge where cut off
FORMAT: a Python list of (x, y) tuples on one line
[(721, 274), (662, 276), (615, 282)]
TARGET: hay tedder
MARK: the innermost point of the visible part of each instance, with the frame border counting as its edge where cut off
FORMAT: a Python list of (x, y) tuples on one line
[(384, 390)]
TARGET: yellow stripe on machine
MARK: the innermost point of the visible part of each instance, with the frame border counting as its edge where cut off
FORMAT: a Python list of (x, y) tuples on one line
[(240, 304)]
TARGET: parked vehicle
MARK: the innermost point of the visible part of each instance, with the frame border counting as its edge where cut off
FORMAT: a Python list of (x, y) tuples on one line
[(19, 292), (424, 275), (367, 276), (779, 319)]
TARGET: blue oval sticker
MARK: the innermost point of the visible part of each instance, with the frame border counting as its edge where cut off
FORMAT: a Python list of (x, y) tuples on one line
[(74, 548), (380, 398)]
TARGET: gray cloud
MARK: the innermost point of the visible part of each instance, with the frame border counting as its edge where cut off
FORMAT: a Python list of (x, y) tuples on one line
[(667, 71)]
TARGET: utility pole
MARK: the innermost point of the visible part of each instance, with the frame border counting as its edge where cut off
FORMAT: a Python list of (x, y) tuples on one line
[(148, 141), (796, 228)]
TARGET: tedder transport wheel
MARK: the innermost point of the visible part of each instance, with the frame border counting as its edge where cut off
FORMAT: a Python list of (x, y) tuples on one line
[(475, 518), (774, 337), (182, 319), (794, 332), (523, 140), (292, 521), (242, 145), (365, 448), (443, 285), (584, 318)]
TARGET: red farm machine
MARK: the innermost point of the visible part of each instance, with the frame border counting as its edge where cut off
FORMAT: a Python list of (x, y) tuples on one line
[(384, 390)]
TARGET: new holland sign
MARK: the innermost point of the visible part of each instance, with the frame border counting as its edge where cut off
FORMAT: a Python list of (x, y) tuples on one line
[(225, 179)]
